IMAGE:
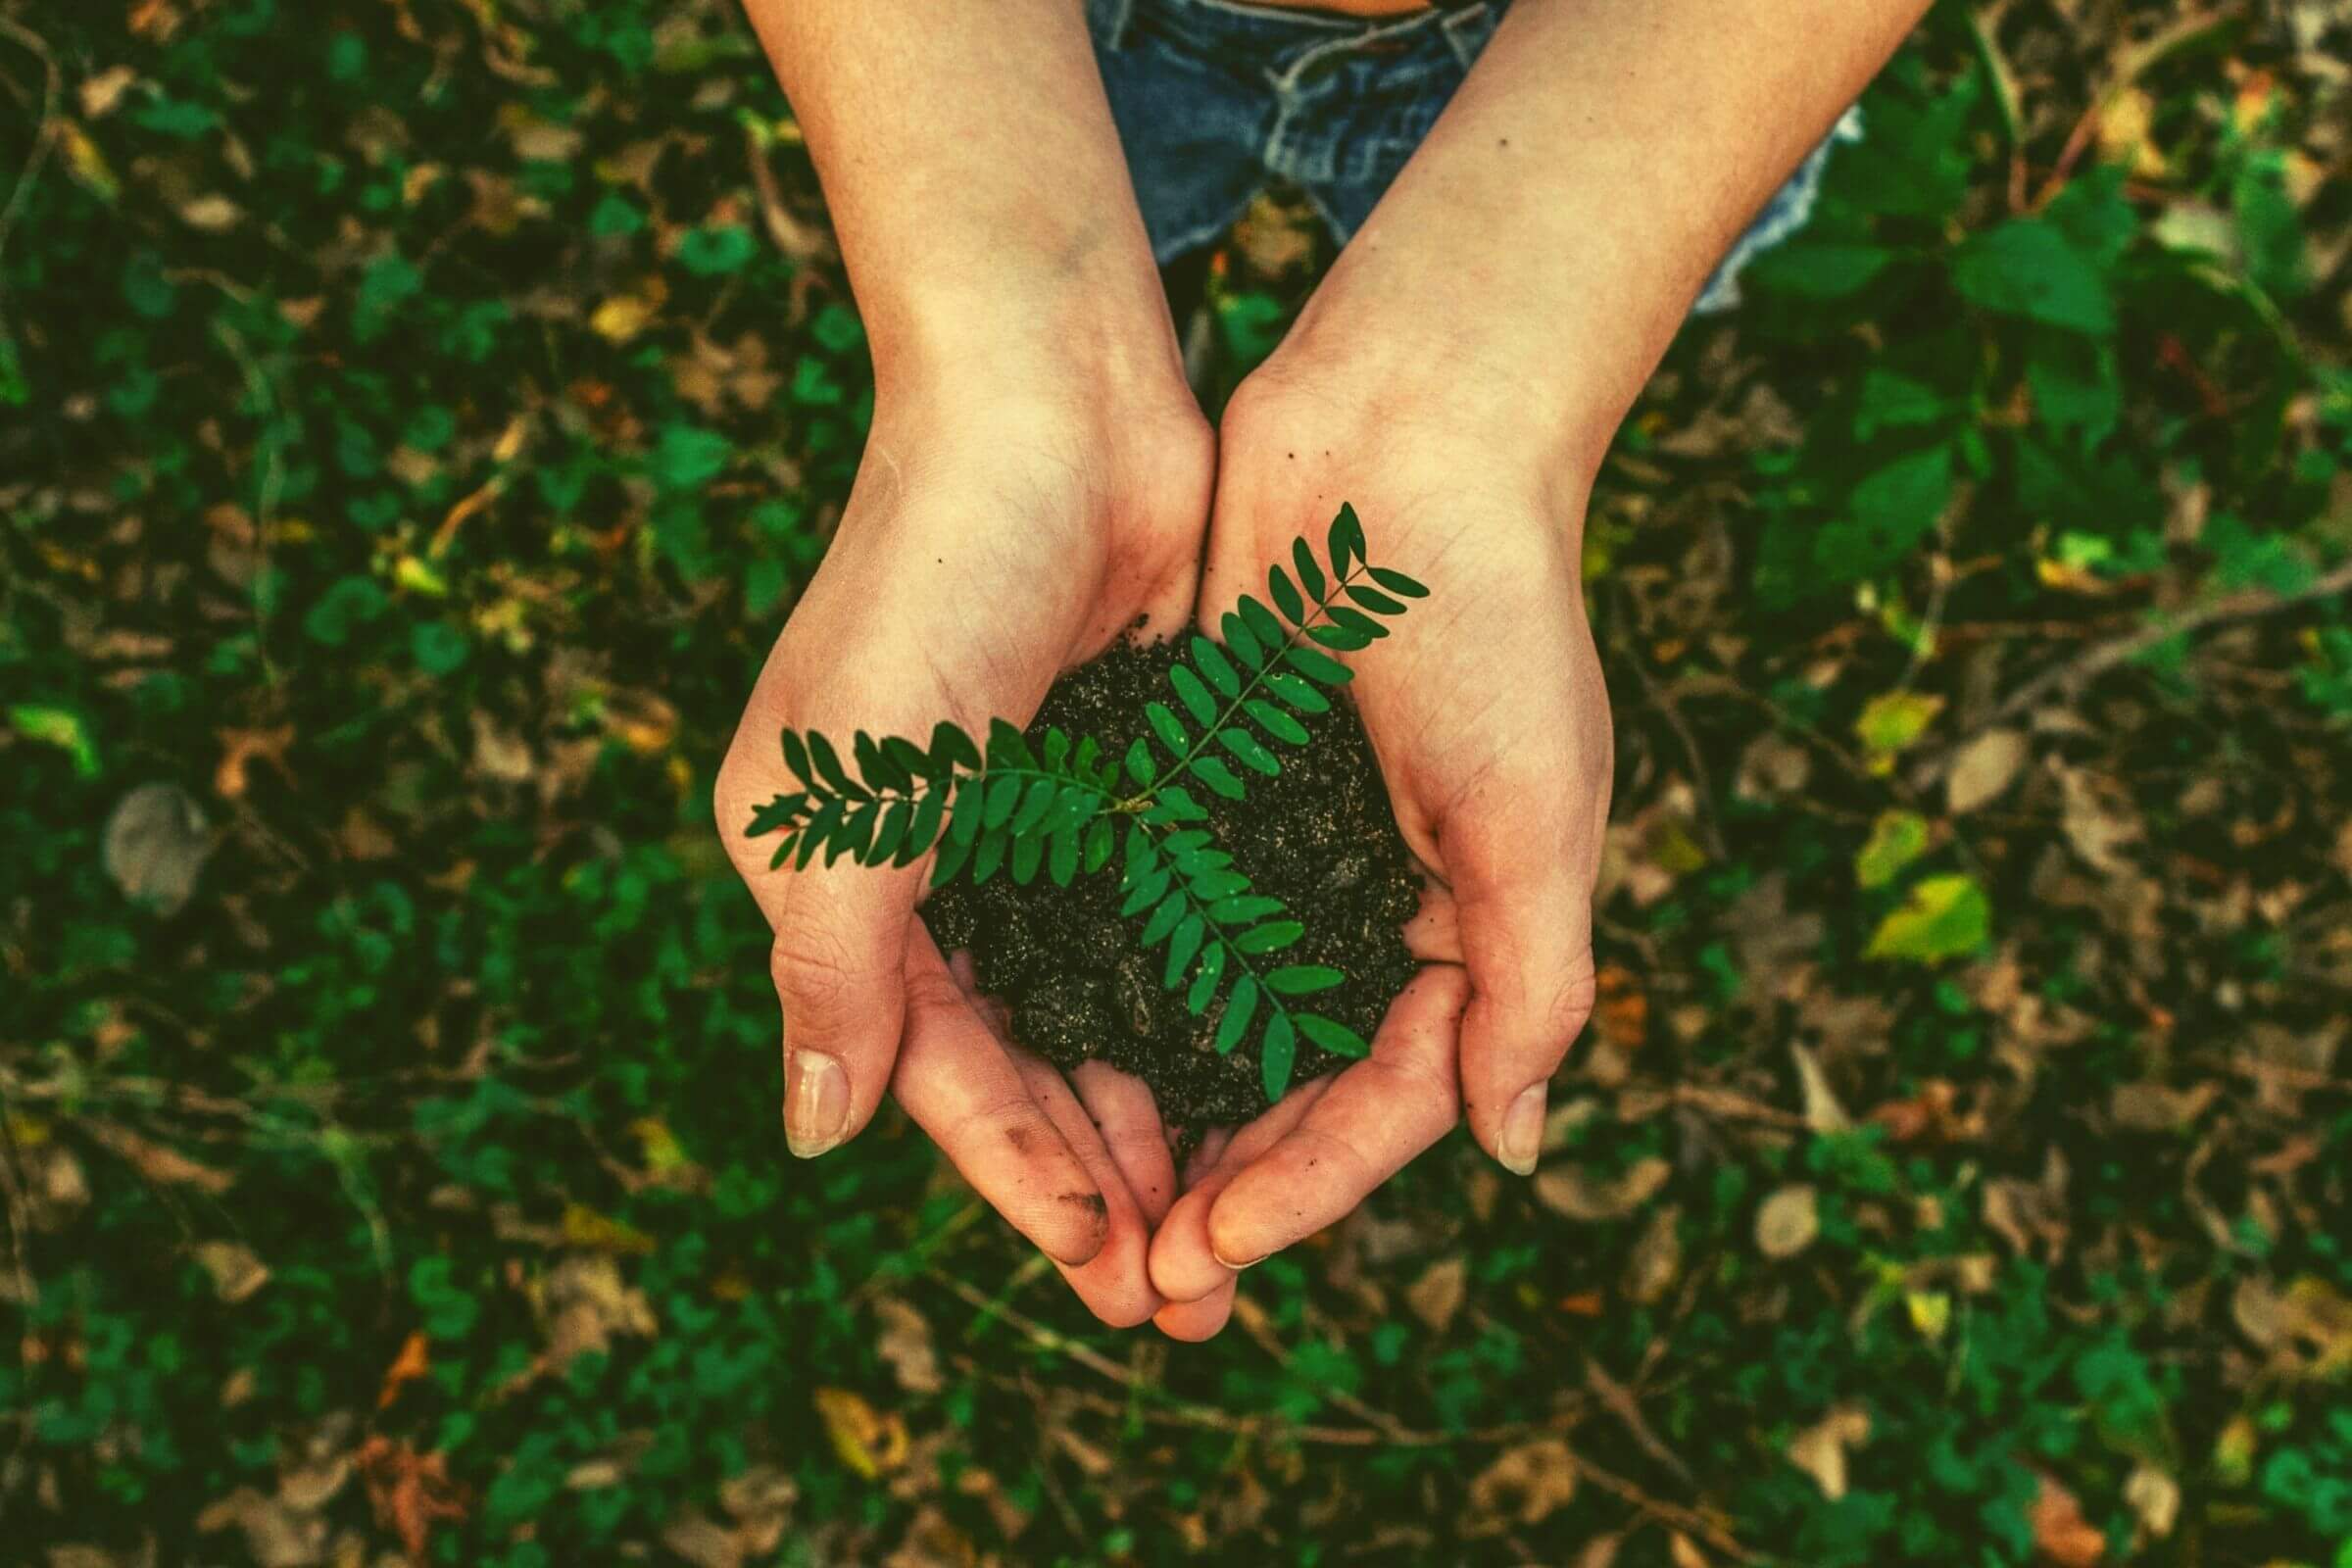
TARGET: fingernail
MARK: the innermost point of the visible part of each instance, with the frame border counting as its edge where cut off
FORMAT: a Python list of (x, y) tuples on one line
[(1227, 1263), (1522, 1138), (816, 1102)]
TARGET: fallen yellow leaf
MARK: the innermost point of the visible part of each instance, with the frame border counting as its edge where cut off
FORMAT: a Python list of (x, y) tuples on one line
[(624, 316), (867, 1441), (585, 1227)]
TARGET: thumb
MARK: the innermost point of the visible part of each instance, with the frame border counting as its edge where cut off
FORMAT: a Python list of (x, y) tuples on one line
[(1526, 922), (839, 965)]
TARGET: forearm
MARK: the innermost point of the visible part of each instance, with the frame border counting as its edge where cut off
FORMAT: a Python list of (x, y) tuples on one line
[(1555, 225), (975, 181)]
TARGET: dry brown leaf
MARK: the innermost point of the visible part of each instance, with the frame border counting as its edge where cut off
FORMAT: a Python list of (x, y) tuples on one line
[(759, 1496), (2060, 1535), (1657, 1258), (702, 1540), (499, 751), (1822, 1112), (1621, 1009), (159, 1162), (309, 1488), (238, 750), (1096, 1461), (2154, 1497), (538, 140), (1787, 1221), (410, 1492), (413, 1362), (906, 1344), (2098, 817), (1981, 769), (1775, 945), (2158, 1108), (1773, 766), (1524, 1485), (644, 722), (101, 92), (1010, 1518), (587, 1303), (2320, 1317), (155, 21), (1581, 1196), (932, 1540), (212, 212), (1819, 1450), (237, 1273), (1437, 1294), (363, 838), (75, 1555), (1599, 1552), (156, 843), (1275, 239), (276, 1535)]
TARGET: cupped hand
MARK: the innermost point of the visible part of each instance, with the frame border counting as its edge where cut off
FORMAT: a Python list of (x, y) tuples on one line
[(1489, 721), (988, 544)]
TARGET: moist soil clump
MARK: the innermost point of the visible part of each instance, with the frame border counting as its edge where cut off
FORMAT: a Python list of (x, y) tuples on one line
[(1320, 837)]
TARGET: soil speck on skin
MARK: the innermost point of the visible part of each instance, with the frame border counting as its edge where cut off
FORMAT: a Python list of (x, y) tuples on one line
[(1320, 837)]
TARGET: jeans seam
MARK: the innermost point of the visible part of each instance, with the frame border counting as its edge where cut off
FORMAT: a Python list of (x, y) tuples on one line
[(1111, 19), (1457, 25)]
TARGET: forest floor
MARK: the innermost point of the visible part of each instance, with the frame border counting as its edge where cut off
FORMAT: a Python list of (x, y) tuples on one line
[(416, 418)]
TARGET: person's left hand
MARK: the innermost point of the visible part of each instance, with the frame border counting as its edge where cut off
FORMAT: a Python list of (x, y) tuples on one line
[(1488, 714)]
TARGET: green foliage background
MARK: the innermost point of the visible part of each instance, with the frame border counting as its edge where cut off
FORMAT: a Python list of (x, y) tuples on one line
[(415, 418)]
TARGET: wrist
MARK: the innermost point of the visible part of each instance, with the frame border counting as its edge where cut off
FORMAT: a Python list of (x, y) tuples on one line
[(1416, 358), (1382, 407), (1063, 435), (1093, 334)]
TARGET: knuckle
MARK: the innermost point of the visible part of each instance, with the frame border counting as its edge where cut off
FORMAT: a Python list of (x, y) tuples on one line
[(932, 989), (1008, 1113), (812, 967), (1356, 1171), (1574, 998), (1415, 1078)]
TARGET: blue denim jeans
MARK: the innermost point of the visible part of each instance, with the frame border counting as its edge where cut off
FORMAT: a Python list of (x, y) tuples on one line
[(1213, 97)]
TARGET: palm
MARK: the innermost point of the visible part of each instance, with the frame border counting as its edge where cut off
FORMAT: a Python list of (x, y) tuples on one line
[(1489, 721), (960, 583)]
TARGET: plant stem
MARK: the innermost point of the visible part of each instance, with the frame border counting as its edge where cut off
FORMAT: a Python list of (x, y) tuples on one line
[(1258, 678)]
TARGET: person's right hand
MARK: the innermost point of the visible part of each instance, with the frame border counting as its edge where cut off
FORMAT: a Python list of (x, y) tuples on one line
[(999, 533)]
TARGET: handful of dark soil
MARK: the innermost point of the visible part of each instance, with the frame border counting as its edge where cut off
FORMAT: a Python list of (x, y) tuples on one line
[(1320, 837)]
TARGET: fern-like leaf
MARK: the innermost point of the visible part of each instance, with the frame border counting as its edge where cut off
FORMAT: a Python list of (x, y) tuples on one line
[(1049, 808)]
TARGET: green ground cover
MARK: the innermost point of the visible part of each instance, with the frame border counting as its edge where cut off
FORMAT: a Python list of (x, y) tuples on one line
[(416, 419)]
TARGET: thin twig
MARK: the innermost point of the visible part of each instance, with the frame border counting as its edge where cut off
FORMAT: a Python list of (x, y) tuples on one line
[(266, 486), (44, 135), (2134, 65), (2087, 665), (19, 1207), (1152, 1402), (1662, 699), (44, 138)]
